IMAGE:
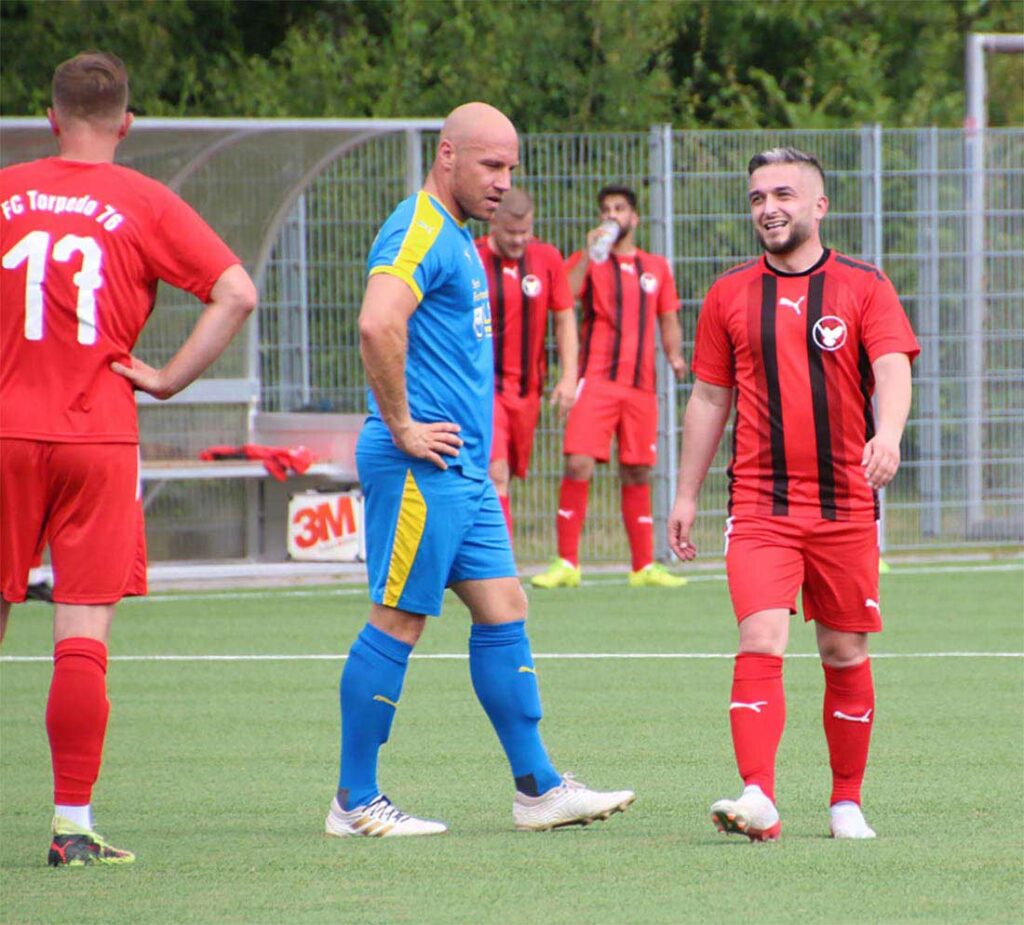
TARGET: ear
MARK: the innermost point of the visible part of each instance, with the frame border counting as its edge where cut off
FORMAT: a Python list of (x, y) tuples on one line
[(51, 117), (821, 207), (125, 125), (446, 153)]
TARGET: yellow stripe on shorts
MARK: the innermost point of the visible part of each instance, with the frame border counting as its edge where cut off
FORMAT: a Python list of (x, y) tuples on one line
[(412, 520)]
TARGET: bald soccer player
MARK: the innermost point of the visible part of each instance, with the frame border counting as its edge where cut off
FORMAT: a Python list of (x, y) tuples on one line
[(433, 520)]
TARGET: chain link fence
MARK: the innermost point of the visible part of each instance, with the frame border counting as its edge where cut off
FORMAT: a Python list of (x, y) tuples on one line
[(950, 236), (899, 198)]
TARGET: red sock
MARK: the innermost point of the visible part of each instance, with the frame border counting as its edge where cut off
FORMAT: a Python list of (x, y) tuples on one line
[(506, 509), (572, 511), (76, 717), (757, 715), (848, 714), (636, 515)]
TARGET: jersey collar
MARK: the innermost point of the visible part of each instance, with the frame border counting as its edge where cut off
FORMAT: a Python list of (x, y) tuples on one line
[(817, 266), (444, 208)]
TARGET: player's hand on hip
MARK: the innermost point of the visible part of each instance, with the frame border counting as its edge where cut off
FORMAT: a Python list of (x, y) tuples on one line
[(431, 441), (680, 523), (679, 366), (880, 460), (144, 378), (563, 397)]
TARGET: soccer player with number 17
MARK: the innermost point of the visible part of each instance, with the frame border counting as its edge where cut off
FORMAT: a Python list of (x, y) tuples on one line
[(84, 243)]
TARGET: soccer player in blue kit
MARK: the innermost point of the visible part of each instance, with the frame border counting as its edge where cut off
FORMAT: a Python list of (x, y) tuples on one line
[(433, 519)]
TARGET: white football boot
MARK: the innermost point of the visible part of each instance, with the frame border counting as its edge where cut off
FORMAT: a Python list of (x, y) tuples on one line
[(753, 815), (847, 821), (570, 803), (379, 818)]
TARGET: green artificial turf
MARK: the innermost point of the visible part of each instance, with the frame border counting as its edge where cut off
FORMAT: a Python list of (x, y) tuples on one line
[(218, 774)]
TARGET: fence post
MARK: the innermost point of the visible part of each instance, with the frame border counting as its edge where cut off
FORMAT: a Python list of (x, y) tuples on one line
[(303, 271), (929, 322), (413, 160), (663, 242), (293, 388), (974, 139), (872, 241)]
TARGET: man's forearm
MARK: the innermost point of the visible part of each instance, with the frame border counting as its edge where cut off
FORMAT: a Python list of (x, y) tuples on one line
[(671, 334), (567, 344), (893, 393), (703, 426), (577, 273), (231, 302), (383, 353)]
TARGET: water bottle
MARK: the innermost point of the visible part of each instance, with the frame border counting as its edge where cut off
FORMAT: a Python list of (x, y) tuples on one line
[(602, 247)]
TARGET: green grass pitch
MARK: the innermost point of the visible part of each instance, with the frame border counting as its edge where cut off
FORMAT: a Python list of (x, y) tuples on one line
[(218, 773)]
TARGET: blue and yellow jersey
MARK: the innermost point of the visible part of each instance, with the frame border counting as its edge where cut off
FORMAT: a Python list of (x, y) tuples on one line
[(449, 369)]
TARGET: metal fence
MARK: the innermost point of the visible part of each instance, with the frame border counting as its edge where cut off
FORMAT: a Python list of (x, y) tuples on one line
[(899, 198), (946, 224)]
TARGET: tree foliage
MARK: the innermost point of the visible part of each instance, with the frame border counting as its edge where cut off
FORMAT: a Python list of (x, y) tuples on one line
[(593, 65)]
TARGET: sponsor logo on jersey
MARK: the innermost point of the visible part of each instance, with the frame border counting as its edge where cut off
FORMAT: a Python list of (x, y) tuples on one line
[(482, 319), (789, 303)]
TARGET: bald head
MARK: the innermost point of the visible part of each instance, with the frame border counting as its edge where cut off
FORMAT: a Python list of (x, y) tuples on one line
[(478, 123), (476, 155)]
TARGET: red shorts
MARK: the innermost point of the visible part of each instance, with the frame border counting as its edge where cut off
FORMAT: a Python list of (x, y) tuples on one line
[(604, 409), (769, 559), (515, 421), (85, 502)]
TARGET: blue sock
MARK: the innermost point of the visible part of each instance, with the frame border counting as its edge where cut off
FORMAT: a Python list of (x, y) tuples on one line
[(371, 684), (501, 667)]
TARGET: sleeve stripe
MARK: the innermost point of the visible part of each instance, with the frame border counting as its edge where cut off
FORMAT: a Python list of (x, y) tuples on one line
[(424, 228), (398, 272)]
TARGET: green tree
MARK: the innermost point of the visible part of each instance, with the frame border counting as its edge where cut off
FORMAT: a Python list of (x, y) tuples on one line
[(589, 65)]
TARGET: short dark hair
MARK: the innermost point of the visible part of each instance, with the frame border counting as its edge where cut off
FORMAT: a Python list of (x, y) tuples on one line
[(616, 189), (91, 85), (785, 155)]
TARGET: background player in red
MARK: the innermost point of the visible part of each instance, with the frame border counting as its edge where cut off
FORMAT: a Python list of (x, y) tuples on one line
[(84, 243), (623, 297), (526, 279), (801, 338)]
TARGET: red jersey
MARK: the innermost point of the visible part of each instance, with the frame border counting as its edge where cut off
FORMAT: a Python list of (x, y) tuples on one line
[(799, 348), (522, 292), (83, 247), (621, 299)]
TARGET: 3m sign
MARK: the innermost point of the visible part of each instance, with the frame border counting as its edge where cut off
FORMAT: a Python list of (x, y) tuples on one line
[(326, 527)]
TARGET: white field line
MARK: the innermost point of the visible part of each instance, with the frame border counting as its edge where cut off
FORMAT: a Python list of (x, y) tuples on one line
[(586, 586), (461, 656)]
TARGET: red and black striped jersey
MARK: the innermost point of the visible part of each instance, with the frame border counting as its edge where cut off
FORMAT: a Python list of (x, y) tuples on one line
[(522, 292), (798, 348), (622, 298)]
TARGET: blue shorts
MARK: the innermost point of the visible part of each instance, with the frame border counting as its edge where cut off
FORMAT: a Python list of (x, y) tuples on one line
[(428, 528)]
